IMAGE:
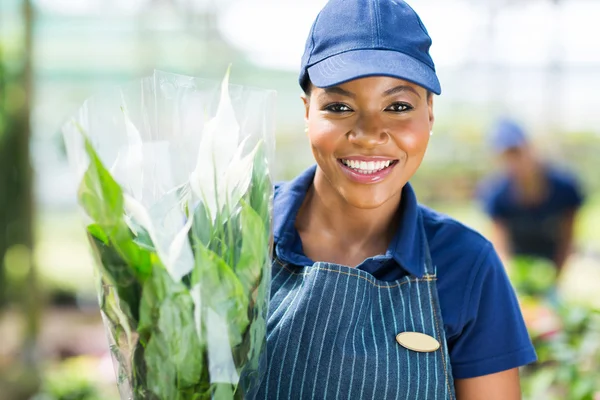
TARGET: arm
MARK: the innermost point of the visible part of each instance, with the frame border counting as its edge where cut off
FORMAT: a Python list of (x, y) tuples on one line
[(494, 203), (566, 240), (493, 341), (499, 386), (571, 198)]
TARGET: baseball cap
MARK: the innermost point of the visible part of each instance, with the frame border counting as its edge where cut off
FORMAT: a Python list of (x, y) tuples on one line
[(353, 39), (506, 134)]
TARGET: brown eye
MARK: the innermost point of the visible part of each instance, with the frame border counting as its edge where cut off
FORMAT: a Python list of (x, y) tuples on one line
[(337, 108), (399, 107)]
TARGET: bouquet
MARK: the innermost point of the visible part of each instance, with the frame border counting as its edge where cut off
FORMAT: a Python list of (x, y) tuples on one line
[(176, 194)]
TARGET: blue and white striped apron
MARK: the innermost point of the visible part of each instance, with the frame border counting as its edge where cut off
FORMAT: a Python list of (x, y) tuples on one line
[(331, 334)]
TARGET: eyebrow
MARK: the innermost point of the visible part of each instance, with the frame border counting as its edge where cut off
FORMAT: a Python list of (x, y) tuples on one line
[(339, 90), (389, 92), (399, 89)]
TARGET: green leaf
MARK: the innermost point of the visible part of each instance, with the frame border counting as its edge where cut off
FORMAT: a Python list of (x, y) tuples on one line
[(99, 194), (176, 323), (162, 374), (154, 293), (96, 231), (202, 226), (142, 237), (119, 275), (167, 318), (222, 291), (261, 189), (223, 391), (254, 251), (102, 199)]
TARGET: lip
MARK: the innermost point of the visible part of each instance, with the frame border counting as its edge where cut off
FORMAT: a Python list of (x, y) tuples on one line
[(364, 178), (368, 158)]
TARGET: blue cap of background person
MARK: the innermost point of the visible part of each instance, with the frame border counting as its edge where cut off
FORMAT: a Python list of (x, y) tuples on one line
[(507, 134), (353, 39)]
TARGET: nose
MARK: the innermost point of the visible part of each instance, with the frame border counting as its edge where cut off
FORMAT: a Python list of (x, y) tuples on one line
[(368, 132)]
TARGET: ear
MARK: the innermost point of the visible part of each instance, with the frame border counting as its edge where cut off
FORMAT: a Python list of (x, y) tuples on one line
[(306, 101), (430, 111)]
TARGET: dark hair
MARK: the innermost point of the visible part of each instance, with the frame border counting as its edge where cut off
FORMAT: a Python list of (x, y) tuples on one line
[(307, 87)]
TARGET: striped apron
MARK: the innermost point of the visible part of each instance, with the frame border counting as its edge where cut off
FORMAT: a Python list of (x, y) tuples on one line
[(331, 334)]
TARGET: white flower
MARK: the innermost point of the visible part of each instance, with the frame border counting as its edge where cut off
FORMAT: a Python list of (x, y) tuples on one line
[(220, 158), (163, 224), (128, 167), (222, 176)]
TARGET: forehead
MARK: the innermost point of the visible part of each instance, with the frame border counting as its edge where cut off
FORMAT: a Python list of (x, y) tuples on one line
[(373, 85)]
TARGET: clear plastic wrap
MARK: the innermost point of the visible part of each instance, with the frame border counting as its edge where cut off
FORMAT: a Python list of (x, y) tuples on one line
[(175, 189)]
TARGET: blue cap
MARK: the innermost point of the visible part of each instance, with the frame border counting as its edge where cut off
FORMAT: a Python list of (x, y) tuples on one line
[(507, 134), (353, 39)]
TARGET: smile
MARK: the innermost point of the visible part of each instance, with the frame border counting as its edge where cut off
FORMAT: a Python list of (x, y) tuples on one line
[(366, 171), (367, 167)]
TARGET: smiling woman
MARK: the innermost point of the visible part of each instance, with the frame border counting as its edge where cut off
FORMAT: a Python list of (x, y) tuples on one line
[(374, 295), (341, 121)]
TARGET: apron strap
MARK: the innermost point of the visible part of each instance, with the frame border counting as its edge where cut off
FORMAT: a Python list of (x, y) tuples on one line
[(429, 268)]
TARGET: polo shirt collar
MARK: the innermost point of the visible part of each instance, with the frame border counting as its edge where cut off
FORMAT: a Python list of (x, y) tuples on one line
[(406, 248)]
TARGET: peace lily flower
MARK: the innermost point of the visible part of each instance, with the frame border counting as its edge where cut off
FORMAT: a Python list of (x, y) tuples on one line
[(220, 158), (184, 265), (129, 162), (162, 221), (222, 175)]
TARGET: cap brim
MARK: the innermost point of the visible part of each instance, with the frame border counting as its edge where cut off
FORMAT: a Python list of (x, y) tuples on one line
[(356, 64)]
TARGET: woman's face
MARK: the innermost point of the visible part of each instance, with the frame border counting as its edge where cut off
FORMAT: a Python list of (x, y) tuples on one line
[(369, 136)]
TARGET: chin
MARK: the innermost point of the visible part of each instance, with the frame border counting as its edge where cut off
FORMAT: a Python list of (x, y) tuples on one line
[(367, 198), (360, 195)]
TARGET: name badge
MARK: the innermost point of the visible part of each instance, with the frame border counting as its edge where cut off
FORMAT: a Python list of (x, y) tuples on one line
[(417, 341)]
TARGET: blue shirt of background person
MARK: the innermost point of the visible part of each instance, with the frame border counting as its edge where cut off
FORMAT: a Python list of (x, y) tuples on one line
[(354, 249), (533, 204)]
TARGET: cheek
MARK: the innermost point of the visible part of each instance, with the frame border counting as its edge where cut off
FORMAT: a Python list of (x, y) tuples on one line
[(322, 144), (413, 137), (324, 136)]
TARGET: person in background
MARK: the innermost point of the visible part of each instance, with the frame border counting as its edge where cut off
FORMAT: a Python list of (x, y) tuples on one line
[(533, 204)]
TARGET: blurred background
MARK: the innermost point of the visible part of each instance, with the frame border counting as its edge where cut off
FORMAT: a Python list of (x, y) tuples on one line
[(537, 61)]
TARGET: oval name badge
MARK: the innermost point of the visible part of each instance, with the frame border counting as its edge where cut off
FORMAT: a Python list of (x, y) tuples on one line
[(417, 341)]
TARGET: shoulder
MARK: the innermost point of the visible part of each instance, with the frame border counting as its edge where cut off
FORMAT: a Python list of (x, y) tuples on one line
[(461, 257), (482, 319), (494, 185), (450, 239), (493, 193), (567, 190), (561, 176)]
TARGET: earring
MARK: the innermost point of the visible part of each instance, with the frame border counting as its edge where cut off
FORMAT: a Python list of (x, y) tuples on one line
[(306, 129), (430, 133)]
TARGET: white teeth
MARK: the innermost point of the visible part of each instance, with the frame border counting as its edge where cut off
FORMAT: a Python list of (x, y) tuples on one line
[(367, 167)]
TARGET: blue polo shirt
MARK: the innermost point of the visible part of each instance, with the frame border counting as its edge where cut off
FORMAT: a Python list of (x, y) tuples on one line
[(533, 230), (482, 319)]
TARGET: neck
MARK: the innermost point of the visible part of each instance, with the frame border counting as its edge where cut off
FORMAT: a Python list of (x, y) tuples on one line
[(325, 210)]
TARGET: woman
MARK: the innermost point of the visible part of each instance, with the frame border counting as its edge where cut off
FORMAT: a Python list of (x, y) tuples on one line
[(374, 296)]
